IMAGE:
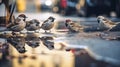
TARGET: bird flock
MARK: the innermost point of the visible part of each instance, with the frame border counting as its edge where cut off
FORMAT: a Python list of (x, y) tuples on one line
[(33, 39), (18, 39), (20, 24)]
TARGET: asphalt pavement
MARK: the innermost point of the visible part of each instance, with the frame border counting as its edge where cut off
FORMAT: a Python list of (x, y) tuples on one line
[(106, 46), (100, 46)]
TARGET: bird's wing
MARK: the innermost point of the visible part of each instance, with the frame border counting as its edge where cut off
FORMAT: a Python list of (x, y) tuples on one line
[(112, 23), (80, 26), (75, 24), (44, 23), (10, 25), (117, 23), (76, 27), (14, 27)]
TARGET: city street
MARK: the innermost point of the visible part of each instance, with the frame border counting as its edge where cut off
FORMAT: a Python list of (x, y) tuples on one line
[(104, 49), (82, 33)]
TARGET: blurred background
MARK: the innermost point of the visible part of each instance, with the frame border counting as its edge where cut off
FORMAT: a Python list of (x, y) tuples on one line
[(73, 8), (84, 49), (81, 8)]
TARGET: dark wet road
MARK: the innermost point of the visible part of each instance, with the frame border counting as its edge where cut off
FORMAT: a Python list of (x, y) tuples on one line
[(108, 50)]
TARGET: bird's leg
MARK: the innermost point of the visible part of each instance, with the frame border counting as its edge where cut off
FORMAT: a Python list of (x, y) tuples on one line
[(106, 32)]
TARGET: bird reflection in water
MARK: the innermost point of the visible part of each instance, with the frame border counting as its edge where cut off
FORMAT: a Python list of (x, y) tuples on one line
[(18, 42), (48, 41), (33, 40)]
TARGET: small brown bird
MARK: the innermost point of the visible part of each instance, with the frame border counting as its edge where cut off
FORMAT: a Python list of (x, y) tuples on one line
[(19, 24), (48, 24), (105, 22), (33, 25), (74, 27)]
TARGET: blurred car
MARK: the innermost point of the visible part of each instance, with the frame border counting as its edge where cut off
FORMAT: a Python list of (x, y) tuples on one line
[(98, 7), (46, 4), (87, 8), (21, 5), (66, 7), (60, 6)]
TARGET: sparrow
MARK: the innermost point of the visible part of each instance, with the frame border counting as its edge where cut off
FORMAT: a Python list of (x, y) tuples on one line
[(18, 25), (105, 22), (74, 27), (48, 41), (33, 25), (48, 24)]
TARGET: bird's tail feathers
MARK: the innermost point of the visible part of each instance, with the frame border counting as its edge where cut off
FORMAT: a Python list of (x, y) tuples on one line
[(117, 23)]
